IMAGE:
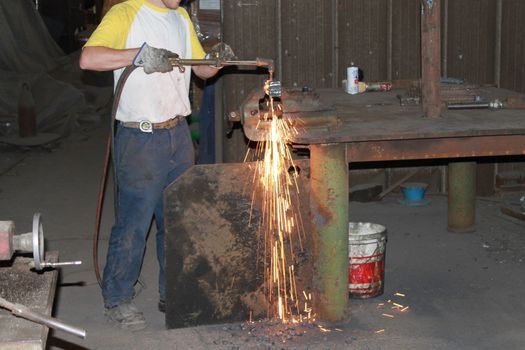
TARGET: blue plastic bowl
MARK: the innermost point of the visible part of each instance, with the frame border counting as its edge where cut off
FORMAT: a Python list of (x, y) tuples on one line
[(414, 192)]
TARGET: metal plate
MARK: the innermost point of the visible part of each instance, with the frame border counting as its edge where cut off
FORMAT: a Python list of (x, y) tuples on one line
[(213, 251)]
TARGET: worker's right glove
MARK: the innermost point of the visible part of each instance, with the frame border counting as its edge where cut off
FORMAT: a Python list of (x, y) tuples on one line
[(154, 60)]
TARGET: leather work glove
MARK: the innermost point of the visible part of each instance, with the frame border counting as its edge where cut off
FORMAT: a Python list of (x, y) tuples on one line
[(153, 59), (221, 52)]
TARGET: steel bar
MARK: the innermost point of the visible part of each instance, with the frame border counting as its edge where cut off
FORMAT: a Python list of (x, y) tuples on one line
[(461, 196), (24, 312), (431, 57), (329, 213), (478, 105)]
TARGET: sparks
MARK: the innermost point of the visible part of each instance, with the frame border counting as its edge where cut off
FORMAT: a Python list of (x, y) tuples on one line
[(281, 219)]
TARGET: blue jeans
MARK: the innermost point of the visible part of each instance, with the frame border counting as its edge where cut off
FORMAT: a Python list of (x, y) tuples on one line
[(145, 163)]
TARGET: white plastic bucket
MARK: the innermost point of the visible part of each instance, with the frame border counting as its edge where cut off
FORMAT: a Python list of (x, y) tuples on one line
[(366, 259)]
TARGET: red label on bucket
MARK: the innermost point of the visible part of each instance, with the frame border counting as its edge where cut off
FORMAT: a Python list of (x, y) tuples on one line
[(365, 275)]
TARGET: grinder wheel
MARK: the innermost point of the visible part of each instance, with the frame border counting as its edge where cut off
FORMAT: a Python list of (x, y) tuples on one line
[(38, 241)]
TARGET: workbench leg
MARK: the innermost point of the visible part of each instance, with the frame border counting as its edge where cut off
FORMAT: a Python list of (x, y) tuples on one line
[(329, 215), (461, 196)]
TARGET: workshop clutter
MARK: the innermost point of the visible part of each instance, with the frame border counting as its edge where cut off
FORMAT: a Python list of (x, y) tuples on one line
[(366, 259)]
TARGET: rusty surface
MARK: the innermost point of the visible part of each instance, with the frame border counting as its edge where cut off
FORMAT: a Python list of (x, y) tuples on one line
[(379, 117), (294, 102), (460, 92), (433, 148), (18, 284), (214, 254), (329, 230), (515, 102)]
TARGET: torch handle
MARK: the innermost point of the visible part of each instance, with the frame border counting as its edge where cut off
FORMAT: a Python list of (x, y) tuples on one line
[(258, 62)]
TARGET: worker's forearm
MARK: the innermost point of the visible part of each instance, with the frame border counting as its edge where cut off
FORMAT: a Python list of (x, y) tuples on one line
[(101, 58), (205, 72)]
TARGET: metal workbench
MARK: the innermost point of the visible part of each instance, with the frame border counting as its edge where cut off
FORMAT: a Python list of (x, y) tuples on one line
[(18, 284), (376, 127)]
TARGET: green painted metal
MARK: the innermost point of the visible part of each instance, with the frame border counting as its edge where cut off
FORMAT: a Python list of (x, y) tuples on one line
[(461, 196), (329, 215)]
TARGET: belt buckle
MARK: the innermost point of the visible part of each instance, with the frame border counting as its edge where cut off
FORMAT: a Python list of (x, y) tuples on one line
[(146, 126)]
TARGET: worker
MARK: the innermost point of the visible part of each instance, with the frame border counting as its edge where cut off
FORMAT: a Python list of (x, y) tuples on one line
[(152, 145)]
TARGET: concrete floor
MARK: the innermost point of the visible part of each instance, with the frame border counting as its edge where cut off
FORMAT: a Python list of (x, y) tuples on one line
[(464, 291)]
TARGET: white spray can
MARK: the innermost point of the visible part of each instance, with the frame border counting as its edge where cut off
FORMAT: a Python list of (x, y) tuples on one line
[(352, 80)]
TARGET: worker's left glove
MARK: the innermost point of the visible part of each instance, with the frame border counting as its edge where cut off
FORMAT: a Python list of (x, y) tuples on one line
[(220, 52), (154, 59)]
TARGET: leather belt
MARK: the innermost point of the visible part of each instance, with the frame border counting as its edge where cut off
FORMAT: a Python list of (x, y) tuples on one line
[(147, 126)]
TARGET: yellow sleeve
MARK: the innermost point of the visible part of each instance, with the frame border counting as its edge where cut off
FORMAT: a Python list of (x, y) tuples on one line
[(114, 28), (197, 52)]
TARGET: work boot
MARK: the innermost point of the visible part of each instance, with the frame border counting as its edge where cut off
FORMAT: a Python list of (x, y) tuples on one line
[(126, 316)]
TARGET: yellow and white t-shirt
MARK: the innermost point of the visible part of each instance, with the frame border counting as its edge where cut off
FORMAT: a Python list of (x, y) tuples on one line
[(155, 97)]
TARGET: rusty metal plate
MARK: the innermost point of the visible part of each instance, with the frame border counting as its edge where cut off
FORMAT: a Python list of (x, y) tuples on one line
[(302, 109), (484, 146), (213, 248)]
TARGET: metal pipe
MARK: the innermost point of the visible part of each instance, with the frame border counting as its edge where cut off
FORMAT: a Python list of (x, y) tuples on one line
[(496, 104), (24, 312), (431, 57), (329, 213), (461, 196), (497, 44), (478, 105)]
